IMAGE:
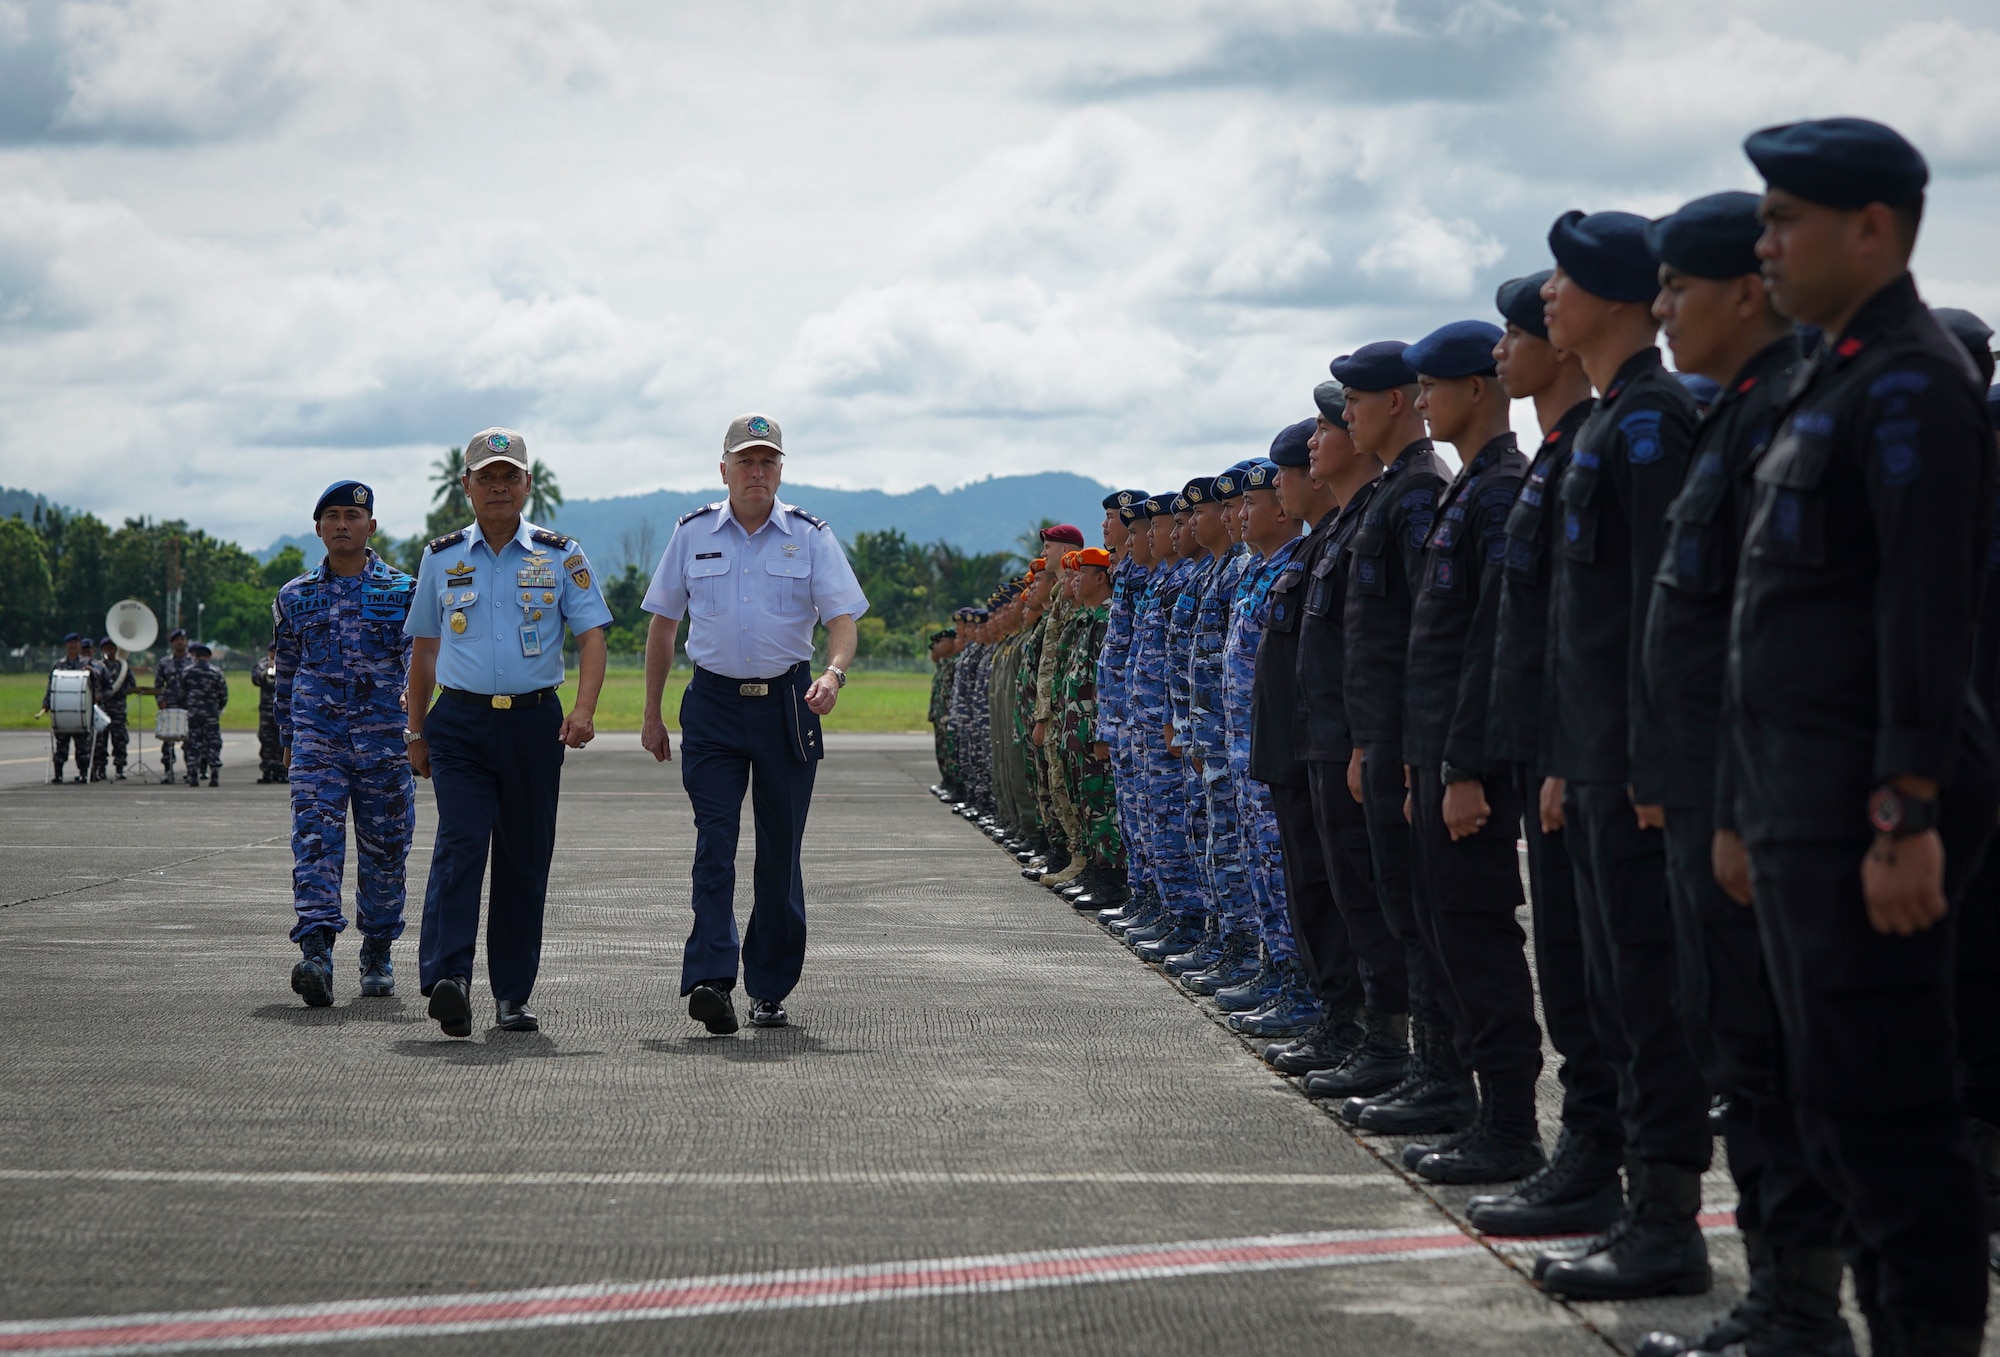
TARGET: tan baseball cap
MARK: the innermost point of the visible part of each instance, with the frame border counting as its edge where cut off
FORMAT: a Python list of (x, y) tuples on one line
[(496, 445), (753, 431)]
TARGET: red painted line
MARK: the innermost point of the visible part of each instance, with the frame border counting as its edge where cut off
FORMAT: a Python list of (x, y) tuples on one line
[(287, 1326)]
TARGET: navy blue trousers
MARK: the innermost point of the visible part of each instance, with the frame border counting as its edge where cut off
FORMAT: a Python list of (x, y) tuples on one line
[(497, 774), (730, 743)]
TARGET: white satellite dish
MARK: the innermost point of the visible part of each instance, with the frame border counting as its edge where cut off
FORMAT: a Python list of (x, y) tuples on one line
[(131, 625)]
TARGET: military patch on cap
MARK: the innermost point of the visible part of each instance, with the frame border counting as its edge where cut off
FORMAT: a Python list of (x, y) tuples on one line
[(498, 442), (361, 495), (759, 426)]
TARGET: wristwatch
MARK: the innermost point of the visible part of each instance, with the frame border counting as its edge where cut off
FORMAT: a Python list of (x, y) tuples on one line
[(1899, 816), (839, 676), (410, 737)]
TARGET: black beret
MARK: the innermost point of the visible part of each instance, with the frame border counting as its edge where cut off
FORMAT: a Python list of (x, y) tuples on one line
[(342, 495), (949, 633), (1705, 390), (1198, 490), (1464, 348), (1373, 367), (1289, 447), (1974, 333), (1331, 400), (1605, 253), (70, 636), (1711, 237), (178, 633), (1839, 162), (200, 648), (1519, 302)]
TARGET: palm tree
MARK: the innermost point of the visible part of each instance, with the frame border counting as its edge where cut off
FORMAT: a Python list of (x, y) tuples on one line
[(448, 475), (544, 495)]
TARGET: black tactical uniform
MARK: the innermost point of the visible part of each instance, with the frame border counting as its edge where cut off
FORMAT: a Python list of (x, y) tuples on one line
[(1467, 891), (1628, 462), (1849, 653)]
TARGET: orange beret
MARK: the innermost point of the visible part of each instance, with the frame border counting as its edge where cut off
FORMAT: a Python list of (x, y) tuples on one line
[(1097, 556)]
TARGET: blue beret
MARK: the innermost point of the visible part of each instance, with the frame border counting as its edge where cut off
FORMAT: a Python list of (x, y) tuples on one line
[(1839, 162), (89, 642), (1157, 505), (1262, 475), (1606, 254), (1712, 237), (1993, 403), (1229, 485), (1519, 302), (1705, 390), (1331, 400), (1463, 348), (1180, 504), (1123, 499), (70, 636), (1971, 331), (177, 633), (1289, 447), (200, 648), (343, 495), (1373, 367), (1110, 501), (1128, 514), (1199, 490)]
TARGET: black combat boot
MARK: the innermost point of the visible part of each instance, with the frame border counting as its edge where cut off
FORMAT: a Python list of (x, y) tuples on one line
[(1202, 954), (312, 977), (1328, 1046), (215, 777), (1414, 1074), (1238, 960), (1442, 1100), (1380, 1061), (1660, 1251), (1749, 1318), (378, 973), (1504, 1145), (1577, 1193)]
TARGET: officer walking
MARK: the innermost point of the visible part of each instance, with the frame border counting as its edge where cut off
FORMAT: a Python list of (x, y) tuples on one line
[(1853, 774), (270, 745), (756, 574), (491, 604), (116, 683), (168, 671), (205, 692), (73, 661), (336, 688)]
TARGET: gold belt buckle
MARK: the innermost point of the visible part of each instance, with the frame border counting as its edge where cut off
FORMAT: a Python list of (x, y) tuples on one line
[(753, 689), (503, 702)]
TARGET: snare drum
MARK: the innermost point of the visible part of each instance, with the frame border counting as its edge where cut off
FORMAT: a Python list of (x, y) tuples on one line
[(69, 701), (171, 723)]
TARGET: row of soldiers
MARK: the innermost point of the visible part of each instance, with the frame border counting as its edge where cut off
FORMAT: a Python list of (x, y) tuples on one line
[(183, 679), (1722, 652)]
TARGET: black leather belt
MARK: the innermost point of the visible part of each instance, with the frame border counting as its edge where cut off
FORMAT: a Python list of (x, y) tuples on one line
[(501, 701), (748, 687)]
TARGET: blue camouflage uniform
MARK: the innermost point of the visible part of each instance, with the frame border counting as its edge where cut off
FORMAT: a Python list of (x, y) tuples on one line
[(1183, 605), (1207, 740), (1169, 851), (1258, 820), (1128, 581), (343, 663), (204, 692)]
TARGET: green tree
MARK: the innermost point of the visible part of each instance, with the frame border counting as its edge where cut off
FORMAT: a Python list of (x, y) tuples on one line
[(1029, 544), (545, 496), (623, 594), (963, 578), (82, 576), (27, 594), (286, 566), (446, 474)]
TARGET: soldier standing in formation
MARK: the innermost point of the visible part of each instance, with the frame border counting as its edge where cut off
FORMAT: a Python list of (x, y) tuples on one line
[(270, 745), (116, 683), (74, 661), (205, 692), (168, 671), (1718, 651)]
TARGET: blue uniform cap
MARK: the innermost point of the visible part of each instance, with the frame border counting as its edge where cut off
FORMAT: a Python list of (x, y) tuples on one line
[(200, 648), (1711, 237), (1846, 163), (1331, 400), (177, 633), (1606, 254), (342, 495), (1373, 367), (1971, 331), (1199, 490), (1262, 475), (1519, 302), (70, 636), (1705, 390), (1289, 447), (1464, 348)]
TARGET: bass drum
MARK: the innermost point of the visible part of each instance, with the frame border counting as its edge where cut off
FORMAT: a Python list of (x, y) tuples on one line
[(171, 724), (69, 701)]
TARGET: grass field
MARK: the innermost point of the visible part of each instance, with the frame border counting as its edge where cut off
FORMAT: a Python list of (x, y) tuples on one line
[(871, 702)]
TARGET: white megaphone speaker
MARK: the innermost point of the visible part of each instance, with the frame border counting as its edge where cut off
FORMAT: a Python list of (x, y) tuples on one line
[(131, 625)]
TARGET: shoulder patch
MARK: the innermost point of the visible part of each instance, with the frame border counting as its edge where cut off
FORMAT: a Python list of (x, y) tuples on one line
[(693, 514), (1642, 436), (801, 513), (450, 539), (549, 538)]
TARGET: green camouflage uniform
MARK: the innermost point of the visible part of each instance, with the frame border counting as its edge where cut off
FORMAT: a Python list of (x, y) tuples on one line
[(1088, 776)]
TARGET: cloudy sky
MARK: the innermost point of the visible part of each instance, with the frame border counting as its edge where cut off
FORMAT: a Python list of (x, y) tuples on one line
[(249, 246)]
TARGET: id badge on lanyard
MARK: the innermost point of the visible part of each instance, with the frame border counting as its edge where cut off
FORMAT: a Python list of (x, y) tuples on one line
[(535, 575)]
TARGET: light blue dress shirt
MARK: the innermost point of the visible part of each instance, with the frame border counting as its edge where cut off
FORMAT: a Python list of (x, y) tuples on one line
[(753, 597), (497, 597)]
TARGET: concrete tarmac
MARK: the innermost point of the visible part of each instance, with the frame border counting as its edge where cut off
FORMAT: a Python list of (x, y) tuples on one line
[(989, 1128)]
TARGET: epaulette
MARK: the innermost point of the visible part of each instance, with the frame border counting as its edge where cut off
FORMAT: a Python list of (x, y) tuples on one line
[(692, 514), (801, 513), (549, 538), (450, 539)]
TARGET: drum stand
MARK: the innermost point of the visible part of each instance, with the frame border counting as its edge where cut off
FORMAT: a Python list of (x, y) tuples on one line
[(136, 752)]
